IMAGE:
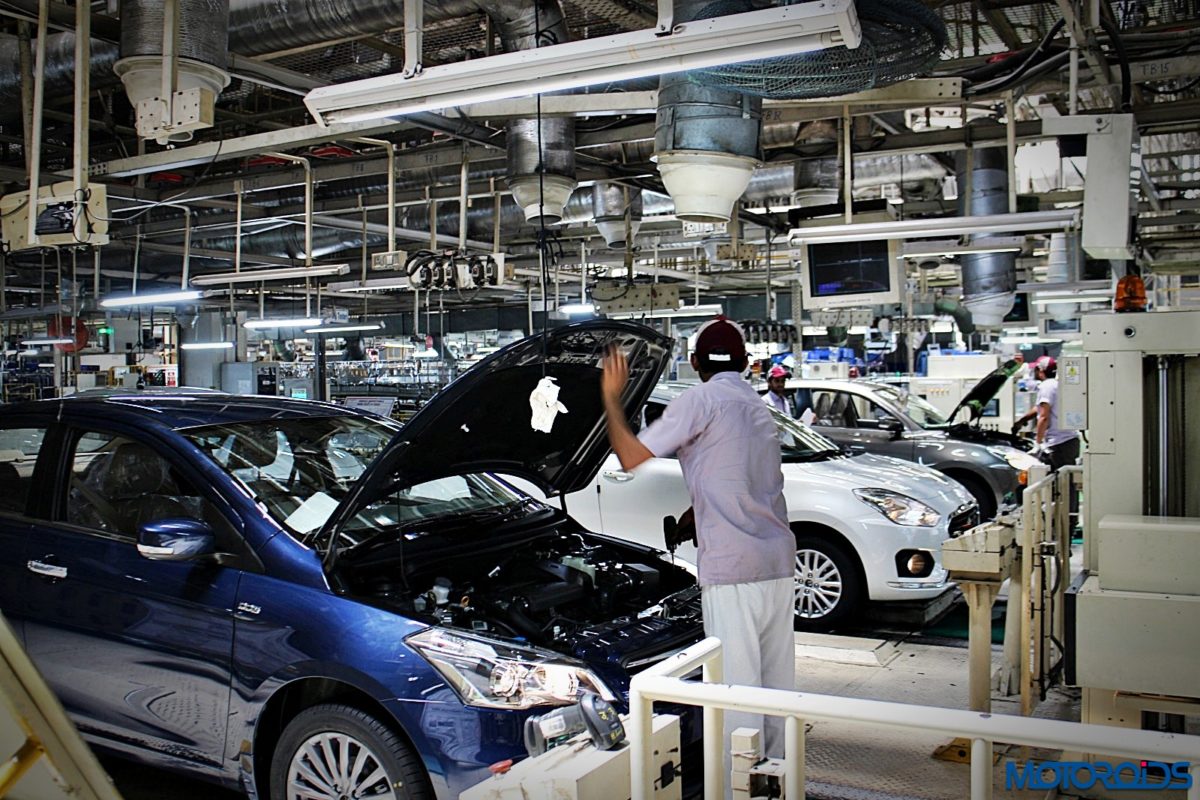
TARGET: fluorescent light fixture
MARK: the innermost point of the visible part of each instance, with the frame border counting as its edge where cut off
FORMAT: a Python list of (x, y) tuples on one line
[(670, 313), (1027, 340), (370, 285), (29, 353), (1024, 222), (1078, 297), (293, 322), (152, 298), (206, 346), (347, 328), (260, 275), (48, 341), (577, 308), (953, 247), (779, 31)]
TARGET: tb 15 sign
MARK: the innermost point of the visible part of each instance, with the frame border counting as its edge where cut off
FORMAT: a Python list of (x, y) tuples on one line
[(1066, 775)]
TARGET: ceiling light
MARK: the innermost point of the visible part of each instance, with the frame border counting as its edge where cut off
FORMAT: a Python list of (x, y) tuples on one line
[(293, 322), (48, 341), (260, 275), (28, 353), (748, 36), (937, 226), (153, 298), (665, 313), (577, 308), (347, 328), (953, 247), (369, 285), (206, 346)]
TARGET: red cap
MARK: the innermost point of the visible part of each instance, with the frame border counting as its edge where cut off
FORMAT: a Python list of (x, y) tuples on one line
[(721, 345), (777, 372), (1044, 363)]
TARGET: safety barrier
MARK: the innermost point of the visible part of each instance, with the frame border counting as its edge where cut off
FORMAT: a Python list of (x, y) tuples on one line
[(664, 682)]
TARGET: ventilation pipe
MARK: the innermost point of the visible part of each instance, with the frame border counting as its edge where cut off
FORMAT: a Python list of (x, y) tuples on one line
[(1063, 267), (541, 158), (706, 140), (989, 279), (201, 48), (611, 202)]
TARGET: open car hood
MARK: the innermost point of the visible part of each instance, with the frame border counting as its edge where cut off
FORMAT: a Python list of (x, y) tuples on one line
[(983, 392), (483, 421)]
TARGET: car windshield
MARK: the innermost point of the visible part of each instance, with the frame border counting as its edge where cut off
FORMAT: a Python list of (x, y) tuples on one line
[(800, 442), (299, 470), (921, 411)]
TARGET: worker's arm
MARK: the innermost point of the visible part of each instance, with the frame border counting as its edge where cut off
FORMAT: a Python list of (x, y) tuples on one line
[(1023, 421), (630, 452), (1043, 423)]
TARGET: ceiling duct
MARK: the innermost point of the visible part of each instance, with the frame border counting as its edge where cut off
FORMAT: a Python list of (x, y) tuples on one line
[(541, 157), (611, 202), (1063, 266), (202, 48), (60, 68), (989, 279)]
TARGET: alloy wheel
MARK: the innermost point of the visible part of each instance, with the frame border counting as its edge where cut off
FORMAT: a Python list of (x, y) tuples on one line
[(336, 766), (818, 584)]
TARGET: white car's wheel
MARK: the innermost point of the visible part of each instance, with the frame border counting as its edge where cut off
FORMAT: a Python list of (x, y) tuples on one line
[(338, 752), (827, 584)]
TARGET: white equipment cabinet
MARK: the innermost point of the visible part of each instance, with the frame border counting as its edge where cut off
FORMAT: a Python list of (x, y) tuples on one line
[(1135, 616)]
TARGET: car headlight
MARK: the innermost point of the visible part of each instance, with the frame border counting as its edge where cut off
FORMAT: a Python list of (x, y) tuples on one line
[(899, 508), (494, 674), (1017, 459)]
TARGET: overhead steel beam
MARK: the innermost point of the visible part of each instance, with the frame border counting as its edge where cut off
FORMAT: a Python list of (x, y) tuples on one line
[(1087, 41)]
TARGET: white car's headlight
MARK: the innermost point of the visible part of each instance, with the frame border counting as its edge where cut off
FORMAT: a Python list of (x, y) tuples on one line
[(496, 674), (1017, 459), (899, 508)]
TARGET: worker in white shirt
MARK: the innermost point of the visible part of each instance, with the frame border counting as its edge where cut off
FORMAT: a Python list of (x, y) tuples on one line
[(1055, 446), (775, 397), (728, 449)]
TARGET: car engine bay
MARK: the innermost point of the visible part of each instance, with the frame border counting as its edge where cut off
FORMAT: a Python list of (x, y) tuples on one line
[(548, 591)]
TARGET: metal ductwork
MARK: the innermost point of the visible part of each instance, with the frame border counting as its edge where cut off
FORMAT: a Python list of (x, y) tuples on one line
[(541, 157), (618, 213), (202, 48), (706, 141), (1063, 266), (60, 68), (989, 279)]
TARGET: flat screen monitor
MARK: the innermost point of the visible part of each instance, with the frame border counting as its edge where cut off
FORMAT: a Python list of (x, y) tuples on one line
[(1024, 313), (847, 274)]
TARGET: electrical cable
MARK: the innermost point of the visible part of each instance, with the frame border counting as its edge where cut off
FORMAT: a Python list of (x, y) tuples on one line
[(1029, 62), (1126, 78), (195, 182)]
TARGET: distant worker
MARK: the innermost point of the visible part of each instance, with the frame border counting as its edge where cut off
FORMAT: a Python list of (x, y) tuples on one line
[(1055, 446), (726, 442), (775, 397)]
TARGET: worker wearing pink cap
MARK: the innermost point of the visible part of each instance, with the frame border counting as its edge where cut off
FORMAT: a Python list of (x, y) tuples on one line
[(1056, 446), (728, 448), (775, 397)]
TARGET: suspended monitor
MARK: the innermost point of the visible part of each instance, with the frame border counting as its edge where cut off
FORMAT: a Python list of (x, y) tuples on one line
[(1024, 313), (846, 274)]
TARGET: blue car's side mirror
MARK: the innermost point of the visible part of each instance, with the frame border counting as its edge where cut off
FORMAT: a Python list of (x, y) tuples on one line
[(177, 539)]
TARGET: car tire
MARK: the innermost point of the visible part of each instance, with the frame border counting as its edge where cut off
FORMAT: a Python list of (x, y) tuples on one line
[(828, 587), (980, 491), (319, 751)]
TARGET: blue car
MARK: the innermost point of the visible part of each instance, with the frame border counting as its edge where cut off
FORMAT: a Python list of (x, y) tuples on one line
[(302, 601)]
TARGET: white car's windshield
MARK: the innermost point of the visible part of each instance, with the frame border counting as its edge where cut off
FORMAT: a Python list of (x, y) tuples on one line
[(921, 411), (300, 469), (800, 442)]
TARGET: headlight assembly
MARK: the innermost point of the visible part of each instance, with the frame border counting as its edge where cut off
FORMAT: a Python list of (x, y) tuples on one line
[(494, 674), (899, 508)]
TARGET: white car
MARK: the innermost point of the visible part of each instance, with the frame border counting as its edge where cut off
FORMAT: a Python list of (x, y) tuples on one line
[(867, 527)]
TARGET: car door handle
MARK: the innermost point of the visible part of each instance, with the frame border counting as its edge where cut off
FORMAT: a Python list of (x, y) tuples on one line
[(617, 475), (49, 570)]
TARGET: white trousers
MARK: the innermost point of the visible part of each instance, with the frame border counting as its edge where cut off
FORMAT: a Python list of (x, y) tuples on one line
[(754, 622)]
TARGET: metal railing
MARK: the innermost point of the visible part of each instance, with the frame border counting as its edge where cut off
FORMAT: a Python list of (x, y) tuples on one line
[(664, 682)]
